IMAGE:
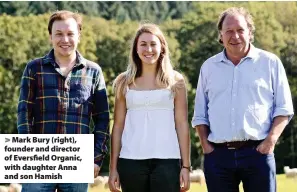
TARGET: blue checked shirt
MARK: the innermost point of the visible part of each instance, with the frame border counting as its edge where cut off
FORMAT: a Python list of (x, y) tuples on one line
[(239, 102), (50, 103)]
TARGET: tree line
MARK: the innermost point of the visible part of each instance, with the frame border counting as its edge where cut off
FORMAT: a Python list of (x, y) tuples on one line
[(157, 11)]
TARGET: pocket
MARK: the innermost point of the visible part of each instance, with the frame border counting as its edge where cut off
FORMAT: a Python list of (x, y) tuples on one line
[(81, 93), (207, 154), (120, 166), (263, 154), (260, 113), (256, 83), (177, 164)]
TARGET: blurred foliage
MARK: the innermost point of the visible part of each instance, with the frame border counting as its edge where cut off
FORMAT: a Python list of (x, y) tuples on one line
[(108, 28), (119, 11)]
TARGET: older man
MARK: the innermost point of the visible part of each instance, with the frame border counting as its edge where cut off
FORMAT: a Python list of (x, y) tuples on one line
[(243, 103)]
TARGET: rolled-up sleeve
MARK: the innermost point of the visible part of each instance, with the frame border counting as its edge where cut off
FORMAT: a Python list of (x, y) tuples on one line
[(26, 101), (200, 116), (101, 120), (283, 105)]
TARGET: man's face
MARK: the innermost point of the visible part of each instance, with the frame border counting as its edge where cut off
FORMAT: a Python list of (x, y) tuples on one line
[(65, 37), (235, 35)]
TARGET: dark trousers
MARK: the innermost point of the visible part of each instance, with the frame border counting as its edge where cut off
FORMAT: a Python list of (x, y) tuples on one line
[(226, 168), (150, 175)]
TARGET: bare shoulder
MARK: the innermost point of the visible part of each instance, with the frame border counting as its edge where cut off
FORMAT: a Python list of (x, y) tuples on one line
[(179, 80), (178, 76)]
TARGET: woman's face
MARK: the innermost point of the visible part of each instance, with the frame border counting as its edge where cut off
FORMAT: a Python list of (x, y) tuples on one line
[(148, 48)]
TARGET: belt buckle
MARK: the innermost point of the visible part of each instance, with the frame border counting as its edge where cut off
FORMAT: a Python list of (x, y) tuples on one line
[(229, 147)]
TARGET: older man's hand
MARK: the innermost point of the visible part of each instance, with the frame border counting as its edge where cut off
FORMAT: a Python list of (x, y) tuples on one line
[(267, 146), (207, 147)]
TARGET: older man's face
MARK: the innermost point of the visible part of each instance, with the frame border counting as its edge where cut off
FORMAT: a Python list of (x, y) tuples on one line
[(236, 36)]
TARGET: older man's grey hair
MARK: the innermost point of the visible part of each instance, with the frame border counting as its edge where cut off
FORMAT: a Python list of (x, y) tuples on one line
[(236, 11)]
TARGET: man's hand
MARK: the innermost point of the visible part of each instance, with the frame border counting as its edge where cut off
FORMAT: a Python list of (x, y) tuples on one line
[(96, 170), (207, 147), (203, 132), (267, 146)]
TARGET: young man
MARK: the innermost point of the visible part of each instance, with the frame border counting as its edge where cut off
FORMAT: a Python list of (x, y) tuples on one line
[(60, 94), (242, 105)]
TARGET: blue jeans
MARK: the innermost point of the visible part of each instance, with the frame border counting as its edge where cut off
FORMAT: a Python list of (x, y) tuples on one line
[(51, 187), (226, 168)]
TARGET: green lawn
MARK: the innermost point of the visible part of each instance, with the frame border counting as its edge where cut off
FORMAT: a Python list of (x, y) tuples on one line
[(283, 185)]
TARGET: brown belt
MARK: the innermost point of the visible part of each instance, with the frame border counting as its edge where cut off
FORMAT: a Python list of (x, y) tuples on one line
[(238, 144)]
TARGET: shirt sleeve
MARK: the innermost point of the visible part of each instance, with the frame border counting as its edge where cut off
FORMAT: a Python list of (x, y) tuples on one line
[(200, 116), (26, 101), (100, 117), (283, 105)]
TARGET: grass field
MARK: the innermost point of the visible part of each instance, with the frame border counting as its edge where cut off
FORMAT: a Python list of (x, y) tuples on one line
[(283, 185)]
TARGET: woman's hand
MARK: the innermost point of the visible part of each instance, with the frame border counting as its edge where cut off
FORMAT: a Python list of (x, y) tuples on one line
[(114, 181), (184, 179)]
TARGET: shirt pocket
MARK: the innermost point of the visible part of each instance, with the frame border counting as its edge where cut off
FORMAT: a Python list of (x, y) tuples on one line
[(258, 80), (259, 114), (81, 93), (256, 84), (258, 88)]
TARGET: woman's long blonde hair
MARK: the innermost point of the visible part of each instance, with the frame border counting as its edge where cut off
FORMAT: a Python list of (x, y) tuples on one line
[(165, 73)]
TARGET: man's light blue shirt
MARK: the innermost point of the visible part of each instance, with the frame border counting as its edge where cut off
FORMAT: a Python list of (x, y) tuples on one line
[(239, 102)]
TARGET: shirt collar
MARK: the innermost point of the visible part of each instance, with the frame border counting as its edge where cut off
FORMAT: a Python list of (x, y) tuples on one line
[(50, 59), (252, 54)]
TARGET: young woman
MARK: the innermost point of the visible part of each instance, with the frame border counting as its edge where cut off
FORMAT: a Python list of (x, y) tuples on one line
[(150, 136)]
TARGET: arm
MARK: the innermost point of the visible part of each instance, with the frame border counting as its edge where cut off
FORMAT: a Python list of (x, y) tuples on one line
[(282, 100), (200, 119), (26, 101), (117, 130), (182, 129), (279, 124), (283, 108), (100, 117), (203, 132)]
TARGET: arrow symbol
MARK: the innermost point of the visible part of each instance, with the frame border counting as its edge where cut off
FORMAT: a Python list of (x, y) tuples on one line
[(7, 140)]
